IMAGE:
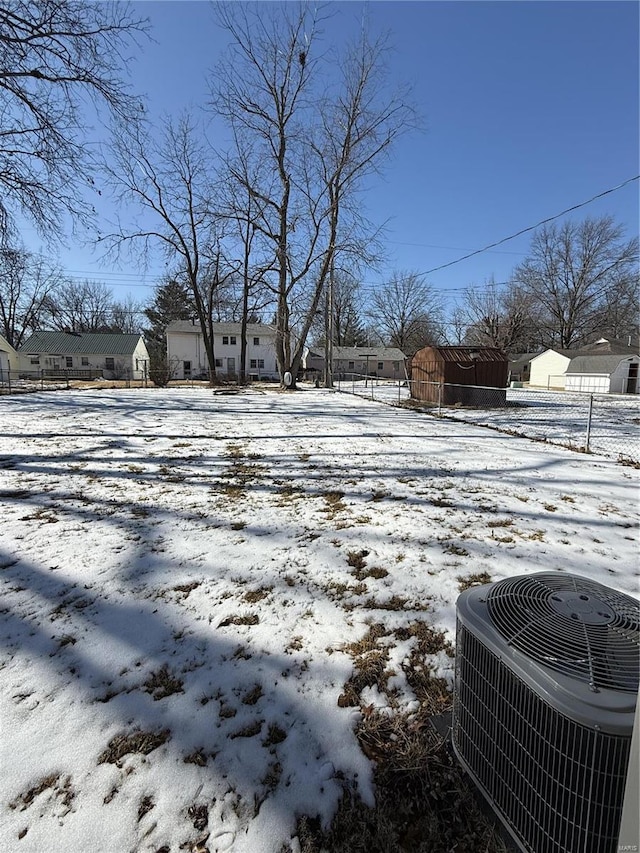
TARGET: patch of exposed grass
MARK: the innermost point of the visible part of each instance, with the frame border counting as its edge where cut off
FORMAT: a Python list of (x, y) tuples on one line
[(275, 735), (252, 696), (25, 799), (238, 525), (255, 595), (443, 502), (424, 802), (162, 684), (356, 559), (456, 550), (199, 816), (250, 730), (144, 807), (476, 579), (500, 522), (197, 757), (334, 503), (244, 619), (136, 742), (186, 588), (396, 602)]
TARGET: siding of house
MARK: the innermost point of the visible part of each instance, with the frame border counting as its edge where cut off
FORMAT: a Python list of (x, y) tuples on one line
[(188, 359), (383, 362), (8, 357), (604, 374), (548, 369), (115, 356)]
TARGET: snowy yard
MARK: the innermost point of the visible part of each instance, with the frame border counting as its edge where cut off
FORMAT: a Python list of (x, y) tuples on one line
[(187, 578), (554, 416)]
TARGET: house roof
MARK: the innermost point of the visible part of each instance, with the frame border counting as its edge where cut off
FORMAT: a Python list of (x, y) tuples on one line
[(361, 353), (5, 346), (601, 347), (613, 346), (220, 328), (85, 342), (464, 355), (605, 364)]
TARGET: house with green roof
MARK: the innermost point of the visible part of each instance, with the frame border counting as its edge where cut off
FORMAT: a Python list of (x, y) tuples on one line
[(85, 355), (8, 358)]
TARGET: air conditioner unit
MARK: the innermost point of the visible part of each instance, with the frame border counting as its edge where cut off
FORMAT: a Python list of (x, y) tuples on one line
[(547, 669)]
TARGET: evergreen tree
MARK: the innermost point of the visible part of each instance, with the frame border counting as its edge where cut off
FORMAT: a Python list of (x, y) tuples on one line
[(172, 301)]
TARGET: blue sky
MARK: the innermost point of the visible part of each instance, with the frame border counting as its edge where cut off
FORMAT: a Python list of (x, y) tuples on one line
[(528, 108)]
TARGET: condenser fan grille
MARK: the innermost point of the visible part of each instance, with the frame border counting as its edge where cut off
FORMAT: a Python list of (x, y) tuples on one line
[(571, 625)]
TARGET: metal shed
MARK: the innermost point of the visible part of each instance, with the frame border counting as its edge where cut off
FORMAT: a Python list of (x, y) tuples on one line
[(464, 376)]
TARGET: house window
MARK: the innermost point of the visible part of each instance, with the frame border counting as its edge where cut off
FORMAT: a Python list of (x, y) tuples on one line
[(218, 362), (396, 365), (109, 364), (381, 365), (253, 362), (85, 361), (34, 359), (232, 340), (352, 365), (186, 369), (225, 340), (256, 342), (69, 361)]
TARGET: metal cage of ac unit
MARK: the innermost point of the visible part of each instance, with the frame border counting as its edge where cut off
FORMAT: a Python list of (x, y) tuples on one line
[(547, 672)]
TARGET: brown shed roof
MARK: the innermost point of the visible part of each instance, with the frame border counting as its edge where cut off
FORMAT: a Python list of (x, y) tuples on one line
[(462, 355)]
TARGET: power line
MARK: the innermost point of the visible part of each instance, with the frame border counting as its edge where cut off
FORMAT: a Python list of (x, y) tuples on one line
[(531, 227)]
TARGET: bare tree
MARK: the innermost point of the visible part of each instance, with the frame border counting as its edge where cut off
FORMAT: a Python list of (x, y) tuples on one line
[(26, 283), (78, 307), (126, 316), (310, 151), (170, 183), (499, 316), (569, 272), (55, 56), (407, 313)]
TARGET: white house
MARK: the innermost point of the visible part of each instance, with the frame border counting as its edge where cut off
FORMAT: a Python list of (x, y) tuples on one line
[(547, 369), (382, 362), (84, 355), (604, 374), (8, 358), (188, 359), (606, 366)]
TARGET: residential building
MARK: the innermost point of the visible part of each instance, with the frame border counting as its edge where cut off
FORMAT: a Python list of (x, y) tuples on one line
[(8, 358), (348, 362), (84, 355), (188, 359), (605, 366)]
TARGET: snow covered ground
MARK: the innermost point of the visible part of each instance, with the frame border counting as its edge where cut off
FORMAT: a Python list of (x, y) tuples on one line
[(182, 572), (554, 416)]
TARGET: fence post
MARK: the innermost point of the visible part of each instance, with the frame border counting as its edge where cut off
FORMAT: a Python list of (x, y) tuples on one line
[(589, 422), (440, 386), (42, 379)]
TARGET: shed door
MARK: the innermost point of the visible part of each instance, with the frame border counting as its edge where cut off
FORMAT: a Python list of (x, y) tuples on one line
[(632, 379)]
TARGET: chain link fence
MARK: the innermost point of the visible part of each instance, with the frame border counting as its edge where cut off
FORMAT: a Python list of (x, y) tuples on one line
[(29, 381), (599, 423)]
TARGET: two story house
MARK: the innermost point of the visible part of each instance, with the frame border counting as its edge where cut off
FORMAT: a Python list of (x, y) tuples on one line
[(188, 359)]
